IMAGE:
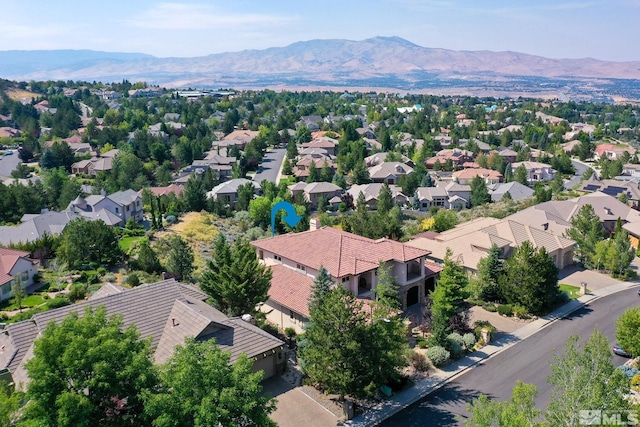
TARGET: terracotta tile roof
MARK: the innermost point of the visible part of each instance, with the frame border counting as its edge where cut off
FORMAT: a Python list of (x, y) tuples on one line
[(8, 258), (290, 289), (339, 252)]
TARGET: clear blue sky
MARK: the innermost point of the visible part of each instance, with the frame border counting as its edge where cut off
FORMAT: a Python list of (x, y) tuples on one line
[(602, 29)]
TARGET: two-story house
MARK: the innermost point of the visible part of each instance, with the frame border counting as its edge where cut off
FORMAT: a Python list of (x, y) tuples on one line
[(14, 266), (114, 209), (352, 262), (536, 171)]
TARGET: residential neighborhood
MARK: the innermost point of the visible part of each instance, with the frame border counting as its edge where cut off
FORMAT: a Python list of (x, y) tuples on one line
[(413, 232)]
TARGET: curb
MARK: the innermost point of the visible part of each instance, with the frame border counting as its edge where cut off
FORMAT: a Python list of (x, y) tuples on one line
[(398, 407)]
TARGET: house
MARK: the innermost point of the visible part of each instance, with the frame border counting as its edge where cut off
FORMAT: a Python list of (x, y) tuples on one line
[(571, 146), (432, 196), (163, 191), (101, 163), (489, 176), (325, 143), (378, 158), (166, 313), (318, 159), (114, 209), (472, 240), (15, 266), (9, 132), (614, 188), (240, 137), (536, 171), (456, 156), (314, 191), (516, 190), (351, 260), (371, 194), (612, 151), (228, 191), (508, 155), (35, 226), (388, 172)]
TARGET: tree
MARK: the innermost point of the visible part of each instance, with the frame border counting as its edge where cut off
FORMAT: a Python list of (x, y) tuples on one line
[(387, 292), (87, 371), (519, 411), (322, 285), (236, 280), (449, 293), (194, 196), (326, 173), (10, 401), (245, 194), (18, 291), (586, 230), (385, 200), (490, 269), (88, 241), (147, 259), (314, 173), (444, 220), (585, 378), (479, 192), (360, 174), (627, 328), (179, 260), (520, 175), (531, 279), (200, 387)]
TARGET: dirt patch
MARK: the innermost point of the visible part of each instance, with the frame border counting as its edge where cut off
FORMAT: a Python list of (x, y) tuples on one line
[(18, 94)]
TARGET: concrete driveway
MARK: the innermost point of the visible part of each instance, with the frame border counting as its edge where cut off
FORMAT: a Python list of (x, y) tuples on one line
[(295, 408), (575, 275)]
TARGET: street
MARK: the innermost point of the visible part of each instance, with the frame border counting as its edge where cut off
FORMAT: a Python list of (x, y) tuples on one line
[(528, 360), (8, 164), (575, 179), (270, 165)]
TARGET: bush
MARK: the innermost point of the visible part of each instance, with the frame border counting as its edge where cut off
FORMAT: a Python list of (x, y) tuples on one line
[(419, 362), (77, 292), (469, 341), (490, 307), (109, 277), (422, 342), (290, 332), (505, 310), (628, 371), (455, 349), (454, 336), (479, 325), (101, 271), (58, 302), (133, 280), (635, 382), (438, 355), (520, 312)]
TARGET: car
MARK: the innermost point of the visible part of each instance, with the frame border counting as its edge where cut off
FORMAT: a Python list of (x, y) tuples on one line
[(617, 349), (8, 152)]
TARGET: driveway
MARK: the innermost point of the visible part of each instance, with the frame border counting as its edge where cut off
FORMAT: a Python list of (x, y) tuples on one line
[(270, 166), (295, 408), (8, 164), (574, 275)]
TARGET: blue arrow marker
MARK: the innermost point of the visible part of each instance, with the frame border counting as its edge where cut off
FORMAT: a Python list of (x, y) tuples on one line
[(291, 217)]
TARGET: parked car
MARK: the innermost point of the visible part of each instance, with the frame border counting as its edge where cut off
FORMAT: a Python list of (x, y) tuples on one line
[(8, 152), (620, 351)]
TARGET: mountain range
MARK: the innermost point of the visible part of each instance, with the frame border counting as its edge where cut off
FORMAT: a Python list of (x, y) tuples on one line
[(379, 62)]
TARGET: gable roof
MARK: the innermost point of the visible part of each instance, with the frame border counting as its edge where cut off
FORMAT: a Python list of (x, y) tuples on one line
[(231, 186), (8, 260), (516, 190), (339, 252), (385, 169), (290, 289), (36, 226)]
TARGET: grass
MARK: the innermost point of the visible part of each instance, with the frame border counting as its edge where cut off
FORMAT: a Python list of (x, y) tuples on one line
[(30, 301), (126, 243), (572, 291)]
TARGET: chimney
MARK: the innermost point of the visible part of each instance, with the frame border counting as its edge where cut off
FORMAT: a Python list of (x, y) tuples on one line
[(173, 322), (314, 224), (545, 226)]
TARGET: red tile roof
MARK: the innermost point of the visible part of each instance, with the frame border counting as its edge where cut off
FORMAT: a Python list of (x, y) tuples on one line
[(290, 289), (8, 258), (339, 252)]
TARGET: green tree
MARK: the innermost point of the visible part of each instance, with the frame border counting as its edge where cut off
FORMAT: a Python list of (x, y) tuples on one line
[(520, 175), (245, 195), (586, 230), (479, 192), (88, 241), (179, 257), (385, 200), (444, 220), (450, 292), (585, 378), (322, 285), (194, 196), (627, 328), (18, 291), (303, 134), (87, 371), (260, 211), (314, 173), (326, 173), (236, 280), (490, 269), (200, 387), (360, 174), (387, 292), (147, 259), (519, 411), (10, 401)]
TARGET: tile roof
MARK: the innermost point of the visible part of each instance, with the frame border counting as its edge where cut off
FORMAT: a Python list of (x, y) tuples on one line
[(35, 227), (339, 252), (8, 260), (290, 289)]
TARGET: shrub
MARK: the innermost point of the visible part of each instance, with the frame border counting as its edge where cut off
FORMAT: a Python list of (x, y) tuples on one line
[(419, 362), (479, 325), (109, 277), (469, 341), (505, 310), (456, 337), (422, 342), (438, 355), (490, 307), (77, 292), (58, 302), (520, 312), (628, 371), (455, 349), (290, 332), (133, 280), (635, 382), (101, 271)]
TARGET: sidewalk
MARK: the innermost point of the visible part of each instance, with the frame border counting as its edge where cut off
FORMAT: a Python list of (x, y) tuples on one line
[(400, 401)]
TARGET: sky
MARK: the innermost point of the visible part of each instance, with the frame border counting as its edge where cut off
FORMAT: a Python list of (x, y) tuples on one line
[(601, 29)]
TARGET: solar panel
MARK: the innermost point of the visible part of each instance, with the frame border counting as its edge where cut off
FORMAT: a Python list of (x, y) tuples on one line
[(591, 187), (613, 191)]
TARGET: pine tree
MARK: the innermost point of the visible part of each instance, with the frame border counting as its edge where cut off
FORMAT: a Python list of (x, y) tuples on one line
[(387, 292), (321, 287), (314, 173), (385, 200), (479, 192)]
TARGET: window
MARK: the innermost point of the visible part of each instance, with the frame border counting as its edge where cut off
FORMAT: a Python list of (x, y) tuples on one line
[(138, 203), (346, 279), (128, 208), (277, 258), (300, 267), (117, 210)]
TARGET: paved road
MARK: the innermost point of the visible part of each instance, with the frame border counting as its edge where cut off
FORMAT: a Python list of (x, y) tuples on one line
[(580, 169), (8, 164), (270, 165), (527, 360)]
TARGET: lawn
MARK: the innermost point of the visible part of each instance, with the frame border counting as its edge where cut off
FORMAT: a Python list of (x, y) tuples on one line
[(126, 243), (572, 291), (28, 302)]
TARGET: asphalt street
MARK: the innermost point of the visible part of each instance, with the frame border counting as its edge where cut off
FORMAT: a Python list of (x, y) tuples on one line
[(580, 170), (8, 164), (528, 360), (270, 165)]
